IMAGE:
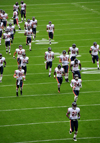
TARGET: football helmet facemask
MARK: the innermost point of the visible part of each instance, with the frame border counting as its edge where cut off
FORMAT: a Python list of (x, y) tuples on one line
[(74, 45), (74, 105)]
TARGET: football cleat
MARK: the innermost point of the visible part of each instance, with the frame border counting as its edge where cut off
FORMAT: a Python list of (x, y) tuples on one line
[(74, 139), (70, 132)]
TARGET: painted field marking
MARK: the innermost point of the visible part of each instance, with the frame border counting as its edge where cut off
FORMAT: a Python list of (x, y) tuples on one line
[(63, 139), (42, 108), (44, 41), (52, 122), (50, 94)]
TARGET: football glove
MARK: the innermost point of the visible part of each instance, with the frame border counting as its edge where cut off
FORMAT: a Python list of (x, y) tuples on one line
[(4, 66), (14, 57)]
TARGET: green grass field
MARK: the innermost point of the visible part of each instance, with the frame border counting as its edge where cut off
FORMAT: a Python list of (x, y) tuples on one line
[(39, 115)]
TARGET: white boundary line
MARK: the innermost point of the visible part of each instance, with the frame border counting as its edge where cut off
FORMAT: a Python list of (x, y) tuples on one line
[(52, 122), (52, 94), (41, 108)]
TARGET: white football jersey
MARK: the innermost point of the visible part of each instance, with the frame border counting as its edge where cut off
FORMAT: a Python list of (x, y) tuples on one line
[(27, 24), (73, 51), (15, 14), (4, 17), (1, 61), (16, 7), (23, 6), (50, 27), (1, 25), (95, 50), (76, 83), (24, 61), (20, 52), (74, 112), (7, 36), (59, 72), (49, 56), (11, 29), (19, 74), (34, 23), (28, 33), (75, 66), (65, 59)]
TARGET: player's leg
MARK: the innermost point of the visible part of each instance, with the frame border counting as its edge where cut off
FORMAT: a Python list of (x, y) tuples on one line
[(22, 15), (97, 59), (30, 44), (76, 93), (9, 47), (71, 127), (0, 36), (6, 47), (21, 86), (1, 70), (76, 130), (50, 38), (50, 69), (17, 87), (58, 81), (18, 23), (66, 68), (18, 61)]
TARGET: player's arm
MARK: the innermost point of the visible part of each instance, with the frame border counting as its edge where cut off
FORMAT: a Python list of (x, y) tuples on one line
[(63, 73), (53, 29), (80, 65), (67, 114), (25, 34), (7, 17), (14, 54), (52, 57), (90, 51), (45, 57), (68, 51), (77, 51), (79, 115), (4, 63), (60, 60), (54, 74), (25, 26), (47, 29)]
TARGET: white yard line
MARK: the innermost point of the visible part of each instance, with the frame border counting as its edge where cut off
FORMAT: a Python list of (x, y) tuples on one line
[(63, 139), (41, 108), (52, 122), (50, 94), (51, 4)]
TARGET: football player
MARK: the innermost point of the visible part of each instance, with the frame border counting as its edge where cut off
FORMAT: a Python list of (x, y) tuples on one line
[(15, 17), (16, 7), (94, 53), (11, 29), (76, 84), (23, 11), (64, 59), (73, 114), (50, 29), (19, 75), (1, 14), (19, 52), (60, 72), (24, 61), (1, 29), (34, 25), (74, 67), (7, 37), (27, 24), (74, 52), (49, 57), (2, 59), (28, 33), (4, 17)]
